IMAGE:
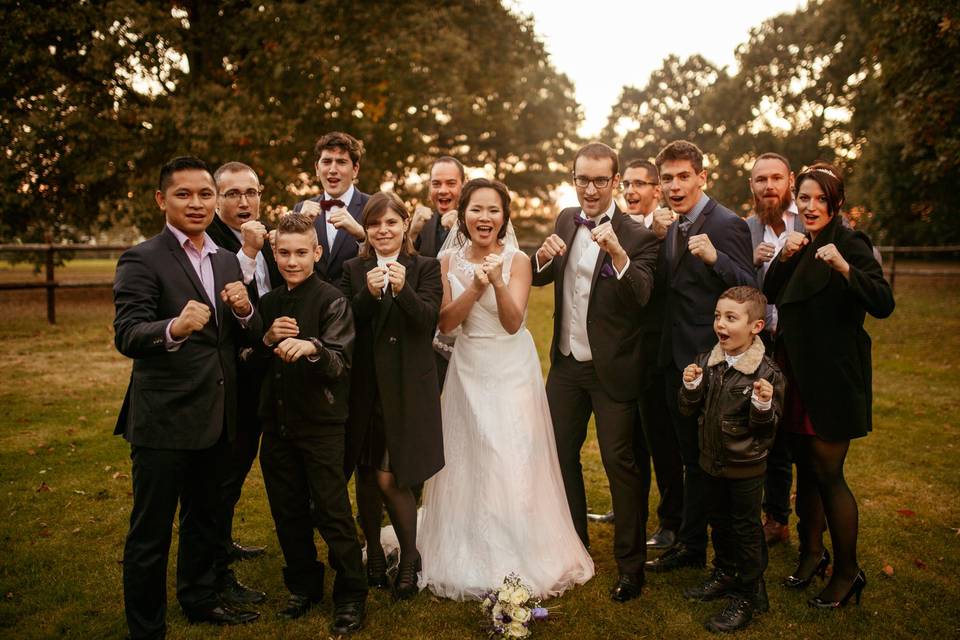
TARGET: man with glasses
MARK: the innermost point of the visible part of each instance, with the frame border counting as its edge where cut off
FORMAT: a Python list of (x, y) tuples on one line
[(601, 265), (237, 229)]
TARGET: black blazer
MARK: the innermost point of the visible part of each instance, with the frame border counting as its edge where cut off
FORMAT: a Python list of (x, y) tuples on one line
[(179, 399), (225, 238), (821, 328), (692, 288), (428, 244), (394, 359), (345, 246), (614, 315)]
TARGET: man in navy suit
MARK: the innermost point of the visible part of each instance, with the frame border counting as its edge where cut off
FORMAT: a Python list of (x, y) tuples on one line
[(706, 250), (336, 212)]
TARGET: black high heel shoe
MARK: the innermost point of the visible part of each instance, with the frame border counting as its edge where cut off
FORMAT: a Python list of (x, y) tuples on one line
[(794, 582), (856, 589), (405, 586), (377, 569)]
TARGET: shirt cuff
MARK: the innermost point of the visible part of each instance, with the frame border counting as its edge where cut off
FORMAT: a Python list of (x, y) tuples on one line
[(693, 385), (540, 267), (620, 273), (761, 406), (245, 319), (172, 344), (248, 266)]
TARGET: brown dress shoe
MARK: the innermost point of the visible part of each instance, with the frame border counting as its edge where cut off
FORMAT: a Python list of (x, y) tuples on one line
[(774, 532)]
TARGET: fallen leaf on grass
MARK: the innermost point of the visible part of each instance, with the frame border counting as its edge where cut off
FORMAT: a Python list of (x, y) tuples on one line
[(919, 563), (107, 468), (80, 492), (70, 431), (44, 487), (119, 475), (907, 513), (45, 533), (77, 530), (888, 571), (82, 419)]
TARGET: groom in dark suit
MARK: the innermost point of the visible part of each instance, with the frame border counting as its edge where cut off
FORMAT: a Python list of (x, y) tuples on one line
[(601, 264), (336, 212), (180, 305)]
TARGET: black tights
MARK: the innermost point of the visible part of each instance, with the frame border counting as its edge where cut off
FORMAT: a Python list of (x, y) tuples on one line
[(374, 489), (822, 492)]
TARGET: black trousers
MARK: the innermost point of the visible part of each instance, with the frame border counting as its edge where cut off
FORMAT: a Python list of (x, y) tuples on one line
[(574, 392), (779, 481), (661, 441), (693, 530), (734, 515), (232, 470), (306, 489), (162, 480)]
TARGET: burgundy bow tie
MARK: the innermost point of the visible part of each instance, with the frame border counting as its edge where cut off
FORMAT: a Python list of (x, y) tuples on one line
[(588, 223), (326, 205)]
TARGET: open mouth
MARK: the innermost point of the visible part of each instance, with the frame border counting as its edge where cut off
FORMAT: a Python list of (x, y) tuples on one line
[(244, 215), (676, 199), (484, 229), (444, 203), (723, 337)]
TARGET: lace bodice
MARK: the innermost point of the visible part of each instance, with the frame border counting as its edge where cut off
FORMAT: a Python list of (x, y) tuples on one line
[(482, 320)]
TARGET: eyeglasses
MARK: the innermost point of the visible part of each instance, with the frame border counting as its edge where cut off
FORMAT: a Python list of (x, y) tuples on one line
[(583, 182), (234, 195), (637, 184)]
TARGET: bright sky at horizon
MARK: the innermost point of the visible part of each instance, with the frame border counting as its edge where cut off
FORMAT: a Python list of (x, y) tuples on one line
[(710, 28)]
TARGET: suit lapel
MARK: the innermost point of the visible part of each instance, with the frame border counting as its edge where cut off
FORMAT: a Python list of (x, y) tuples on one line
[(693, 230), (180, 256), (354, 209), (603, 255)]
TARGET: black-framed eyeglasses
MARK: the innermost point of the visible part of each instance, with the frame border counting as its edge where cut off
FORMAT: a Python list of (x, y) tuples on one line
[(639, 184), (583, 182), (234, 195)]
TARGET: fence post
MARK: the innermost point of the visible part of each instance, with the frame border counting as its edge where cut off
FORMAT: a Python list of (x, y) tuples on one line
[(51, 288), (893, 265)]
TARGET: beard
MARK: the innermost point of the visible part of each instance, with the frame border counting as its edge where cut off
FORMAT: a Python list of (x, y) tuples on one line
[(771, 210)]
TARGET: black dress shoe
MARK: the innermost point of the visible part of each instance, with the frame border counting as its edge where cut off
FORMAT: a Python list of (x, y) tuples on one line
[(627, 588), (297, 606), (235, 593), (662, 539), (221, 614), (676, 557), (736, 615), (607, 517), (405, 586), (377, 569), (240, 552), (347, 618), (718, 585)]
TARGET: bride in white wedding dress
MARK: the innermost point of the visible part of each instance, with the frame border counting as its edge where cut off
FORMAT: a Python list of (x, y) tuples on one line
[(498, 506)]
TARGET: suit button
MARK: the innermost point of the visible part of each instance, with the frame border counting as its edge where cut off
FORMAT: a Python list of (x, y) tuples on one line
[(220, 381), (392, 340)]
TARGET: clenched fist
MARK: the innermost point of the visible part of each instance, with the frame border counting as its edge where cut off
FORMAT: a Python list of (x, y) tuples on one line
[(420, 216), (282, 328), (831, 255), (692, 372), (662, 219), (396, 276), (763, 390), (763, 253), (292, 349), (254, 234), (341, 219), (604, 236), (795, 242), (552, 247), (493, 268), (310, 208), (193, 317), (235, 295), (376, 279), (701, 247)]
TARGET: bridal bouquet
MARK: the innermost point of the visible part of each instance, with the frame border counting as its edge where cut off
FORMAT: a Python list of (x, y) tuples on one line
[(511, 609)]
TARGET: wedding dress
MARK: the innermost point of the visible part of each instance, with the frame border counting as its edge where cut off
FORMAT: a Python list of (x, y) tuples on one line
[(498, 506)]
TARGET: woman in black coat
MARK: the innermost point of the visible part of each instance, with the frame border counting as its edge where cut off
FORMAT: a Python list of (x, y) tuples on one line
[(825, 281), (394, 433)]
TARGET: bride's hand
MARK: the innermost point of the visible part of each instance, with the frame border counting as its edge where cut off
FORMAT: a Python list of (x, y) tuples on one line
[(493, 267), (480, 279)]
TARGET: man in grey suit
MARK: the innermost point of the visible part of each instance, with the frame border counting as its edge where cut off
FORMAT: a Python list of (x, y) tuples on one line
[(336, 212), (180, 307)]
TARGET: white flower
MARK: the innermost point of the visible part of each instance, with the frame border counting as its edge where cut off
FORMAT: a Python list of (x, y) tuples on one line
[(496, 612), (516, 630), (520, 614), (505, 594), (520, 595)]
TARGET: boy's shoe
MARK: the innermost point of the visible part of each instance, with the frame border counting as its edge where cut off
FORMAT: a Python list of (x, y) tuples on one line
[(735, 616), (347, 618), (717, 585)]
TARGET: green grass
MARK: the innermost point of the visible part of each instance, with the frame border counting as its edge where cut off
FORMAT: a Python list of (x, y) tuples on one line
[(65, 497)]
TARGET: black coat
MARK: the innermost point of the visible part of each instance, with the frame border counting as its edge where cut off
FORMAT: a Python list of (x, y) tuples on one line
[(394, 358), (821, 327)]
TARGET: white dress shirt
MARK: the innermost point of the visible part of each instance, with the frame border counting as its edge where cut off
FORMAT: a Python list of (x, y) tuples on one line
[(253, 267), (769, 235)]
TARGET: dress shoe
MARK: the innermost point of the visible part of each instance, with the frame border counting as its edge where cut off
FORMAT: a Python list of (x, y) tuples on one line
[(676, 557), (405, 586), (662, 539), (221, 614), (347, 618), (736, 615), (718, 585), (601, 517), (240, 552), (377, 569), (856, 589), (627, 588), (297, 606), (796, 581), (235, 593), (775, 532)]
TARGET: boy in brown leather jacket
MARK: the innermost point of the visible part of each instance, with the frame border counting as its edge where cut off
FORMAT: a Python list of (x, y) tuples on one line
[(738, 392)]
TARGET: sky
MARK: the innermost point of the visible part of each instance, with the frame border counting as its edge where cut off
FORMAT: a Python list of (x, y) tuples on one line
[(603, 45)]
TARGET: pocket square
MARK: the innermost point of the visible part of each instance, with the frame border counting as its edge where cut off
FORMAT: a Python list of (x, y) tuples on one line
[(606, 269)]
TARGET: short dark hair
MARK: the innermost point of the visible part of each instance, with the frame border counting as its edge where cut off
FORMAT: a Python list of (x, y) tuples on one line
[(828, 177), (341, 141), (297, 223), (181, 163), (598, 151), (233, 167), (751, 296), (681, 150), (467, 192), (650, 168), (378, 206), (450, 160), (770, 155)]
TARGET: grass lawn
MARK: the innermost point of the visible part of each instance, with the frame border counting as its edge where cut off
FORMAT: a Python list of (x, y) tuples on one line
[(65, 497)]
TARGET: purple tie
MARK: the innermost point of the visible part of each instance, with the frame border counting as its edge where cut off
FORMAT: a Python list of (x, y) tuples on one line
[(588, 223)]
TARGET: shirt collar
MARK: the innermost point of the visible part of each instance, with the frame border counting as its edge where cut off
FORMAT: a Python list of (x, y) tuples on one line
[(345, 198), (732, 360), (608, 212), (209, 246), (698, 208), (385, 259)]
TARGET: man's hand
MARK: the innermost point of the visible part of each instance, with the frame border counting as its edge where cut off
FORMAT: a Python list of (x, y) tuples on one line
[(795, 241), (493, 268), (272, 236), (282, 328), (763, 253), (235, 295), (341, 219), (763, 390), (310, 208), (397, 276), (420, 216), (254, 234), (447, 219), (292, 349), (552, 247), (662, 219), (376, 278), (193, 317), (692, 372), (604, 236), (831, 255), (701, 247)]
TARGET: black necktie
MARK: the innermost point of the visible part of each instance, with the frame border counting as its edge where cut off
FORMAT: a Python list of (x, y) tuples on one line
[(326, 205)]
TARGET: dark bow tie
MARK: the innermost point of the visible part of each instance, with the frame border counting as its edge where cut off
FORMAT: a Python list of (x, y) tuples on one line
[(588, 223), (326, 205)]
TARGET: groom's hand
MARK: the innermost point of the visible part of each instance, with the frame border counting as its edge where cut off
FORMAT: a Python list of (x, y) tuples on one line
[(552, 247)]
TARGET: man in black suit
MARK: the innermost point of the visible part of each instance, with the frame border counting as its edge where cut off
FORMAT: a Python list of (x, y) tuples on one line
[(601, 264), (237, 229), (336, 212), (429, 227), (180, 305), (706, 250)]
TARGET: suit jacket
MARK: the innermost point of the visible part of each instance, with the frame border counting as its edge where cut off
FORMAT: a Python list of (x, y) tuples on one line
[(394, 360), (614, 314), (756, 237), (428, 244), (692, 288), (821, 329), (330, 267), (224, 236), (180, 399)]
